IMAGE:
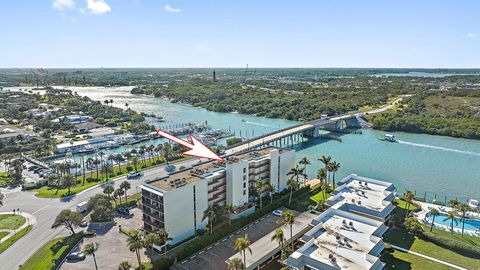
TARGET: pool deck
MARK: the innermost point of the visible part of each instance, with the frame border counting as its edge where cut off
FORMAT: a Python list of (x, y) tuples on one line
[(422, 216)]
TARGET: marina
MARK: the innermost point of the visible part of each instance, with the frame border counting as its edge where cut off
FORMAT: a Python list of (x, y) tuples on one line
[(436, 165)]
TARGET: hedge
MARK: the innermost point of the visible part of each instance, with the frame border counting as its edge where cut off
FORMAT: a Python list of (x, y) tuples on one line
[(453, 244), (72, 242)]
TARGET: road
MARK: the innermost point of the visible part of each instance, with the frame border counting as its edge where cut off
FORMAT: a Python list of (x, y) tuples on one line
[(306, 126), (45, 211)]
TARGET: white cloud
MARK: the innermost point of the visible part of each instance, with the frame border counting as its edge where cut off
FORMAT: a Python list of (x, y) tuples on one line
[(171, 9), (472, 35), (63, 4), (98, 6)]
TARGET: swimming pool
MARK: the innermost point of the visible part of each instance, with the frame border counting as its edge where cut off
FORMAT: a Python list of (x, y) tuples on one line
[(470, 224)]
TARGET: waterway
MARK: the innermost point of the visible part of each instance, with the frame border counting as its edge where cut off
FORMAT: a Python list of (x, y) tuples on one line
[(423, 163)]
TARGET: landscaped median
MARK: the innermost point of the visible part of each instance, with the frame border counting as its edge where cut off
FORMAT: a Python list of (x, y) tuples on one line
[(92, 180), (51, 255), (10, 223)]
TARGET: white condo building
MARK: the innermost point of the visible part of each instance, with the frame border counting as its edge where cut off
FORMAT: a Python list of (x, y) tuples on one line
[(340, 240), (364, 196), (176, 202)]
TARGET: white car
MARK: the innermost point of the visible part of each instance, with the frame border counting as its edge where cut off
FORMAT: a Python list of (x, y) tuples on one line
[(277, 212), (133, 174)]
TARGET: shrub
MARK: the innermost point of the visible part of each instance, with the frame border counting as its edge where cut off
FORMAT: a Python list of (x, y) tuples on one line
[(453, 244)]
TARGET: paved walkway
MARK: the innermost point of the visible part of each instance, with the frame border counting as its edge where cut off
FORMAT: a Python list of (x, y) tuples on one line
[(428, 257), (29, 220)]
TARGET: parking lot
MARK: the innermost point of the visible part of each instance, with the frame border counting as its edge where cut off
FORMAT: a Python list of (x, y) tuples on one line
[(214, 256), (112, 247)]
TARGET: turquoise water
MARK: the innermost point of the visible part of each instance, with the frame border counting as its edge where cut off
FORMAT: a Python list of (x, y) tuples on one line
[(470, 224), (423, 163)]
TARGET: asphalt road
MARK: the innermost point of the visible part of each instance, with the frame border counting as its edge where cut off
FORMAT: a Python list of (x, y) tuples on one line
[(45, 211)]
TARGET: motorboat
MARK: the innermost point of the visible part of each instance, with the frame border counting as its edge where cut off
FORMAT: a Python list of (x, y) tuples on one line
[(388, 138)]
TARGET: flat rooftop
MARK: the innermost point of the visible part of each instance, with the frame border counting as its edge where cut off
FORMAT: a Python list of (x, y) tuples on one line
[(363, 192), (341, 240), (203, 170)]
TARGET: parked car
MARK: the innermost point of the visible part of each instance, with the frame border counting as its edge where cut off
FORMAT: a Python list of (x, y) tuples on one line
[(277, 212), (33, 167), (124, 210), (84, 223), (76, 256), (133, 174)]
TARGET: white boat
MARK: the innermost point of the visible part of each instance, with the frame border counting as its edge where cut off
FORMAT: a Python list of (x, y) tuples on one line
[(388, 138), (473, 204)]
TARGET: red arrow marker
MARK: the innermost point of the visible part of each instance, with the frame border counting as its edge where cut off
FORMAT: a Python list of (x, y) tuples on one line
[(197, 149)]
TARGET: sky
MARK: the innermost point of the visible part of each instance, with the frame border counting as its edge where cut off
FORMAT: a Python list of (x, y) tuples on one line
[(260, 33)]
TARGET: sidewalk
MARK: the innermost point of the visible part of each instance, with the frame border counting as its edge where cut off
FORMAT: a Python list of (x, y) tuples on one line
[(428, 257), (30, 220)]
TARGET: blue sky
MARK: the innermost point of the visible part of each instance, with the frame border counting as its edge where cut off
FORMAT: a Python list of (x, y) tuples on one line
[(261, 33)]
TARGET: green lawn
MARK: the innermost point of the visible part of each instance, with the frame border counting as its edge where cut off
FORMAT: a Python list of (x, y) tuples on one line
[(406, 261), (5, 179), (44, 257), (400, 237), (320, 197), (10, 222), (3, 234), (14, 238), (49, 192)]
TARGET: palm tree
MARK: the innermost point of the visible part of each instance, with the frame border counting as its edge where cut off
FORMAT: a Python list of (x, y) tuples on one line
[(141, 152), (228, 211), (260, 190), (90, 249), (135, 162), (90, 162), (288, 219), (101, 159), (135, 243), (242, 244), (127, 156), (158, 150), (107, 169), (292, 184), (334, 167), (125, 185), (164, 238), (124, 266), (296, 172), (305, 161), (235, 264), (408, 198), (269, 188), (433, 213), (150, 149), (463, 208), (108, 190), (451, 216), (166, 150), (210, 214), (68, 181), (325, 160), (279, 237), (322, 176)]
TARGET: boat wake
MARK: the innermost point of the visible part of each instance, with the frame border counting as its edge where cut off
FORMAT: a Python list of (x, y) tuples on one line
[(440, 148), (258, 124)]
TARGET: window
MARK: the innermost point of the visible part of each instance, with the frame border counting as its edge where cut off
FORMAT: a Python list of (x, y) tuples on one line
[(244, 170), (244, 192), (244, 178), (244, 185)]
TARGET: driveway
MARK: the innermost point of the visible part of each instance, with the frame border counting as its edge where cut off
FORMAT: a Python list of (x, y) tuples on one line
[(112, 248)]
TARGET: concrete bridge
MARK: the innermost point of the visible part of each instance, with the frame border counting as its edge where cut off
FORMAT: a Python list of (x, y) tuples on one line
[(311, 129)]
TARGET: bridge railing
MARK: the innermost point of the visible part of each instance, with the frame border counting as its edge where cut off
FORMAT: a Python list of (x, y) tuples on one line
[(263, 136)]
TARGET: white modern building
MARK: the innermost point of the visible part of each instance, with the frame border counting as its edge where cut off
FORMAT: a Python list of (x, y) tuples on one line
[(364, 196), (340, 240), (176, 202)]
